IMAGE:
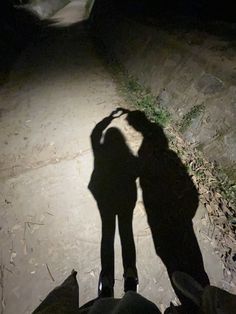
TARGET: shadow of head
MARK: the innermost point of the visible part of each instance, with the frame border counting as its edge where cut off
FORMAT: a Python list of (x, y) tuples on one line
[(113, 138), (138, 120), (114, 171), (115, 146)]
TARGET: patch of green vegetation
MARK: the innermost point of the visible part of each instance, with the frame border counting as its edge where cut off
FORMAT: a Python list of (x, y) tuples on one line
[(153, 110), (187, 119), (226, 183), (144, 100), (133, 86), (200, 146), (134, 92)]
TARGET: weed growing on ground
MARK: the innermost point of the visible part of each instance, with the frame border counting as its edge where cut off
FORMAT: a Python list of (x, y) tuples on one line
[(187, 119), (144, 100)]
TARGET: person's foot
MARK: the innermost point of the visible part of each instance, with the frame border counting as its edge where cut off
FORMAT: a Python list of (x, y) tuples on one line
[(131, 280), (105, 287)]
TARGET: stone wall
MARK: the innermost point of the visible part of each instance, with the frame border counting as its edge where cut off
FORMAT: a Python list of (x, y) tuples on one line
[(193, 74)]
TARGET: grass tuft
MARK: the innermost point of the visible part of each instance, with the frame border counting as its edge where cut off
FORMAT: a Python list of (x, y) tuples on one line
[(144, 100), (187, 119)]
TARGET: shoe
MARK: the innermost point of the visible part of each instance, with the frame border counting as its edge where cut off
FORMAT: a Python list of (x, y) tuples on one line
[(131, 281), (105, 287)]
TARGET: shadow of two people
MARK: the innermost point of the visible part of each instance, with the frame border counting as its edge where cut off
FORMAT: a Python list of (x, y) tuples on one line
[(169, 196)]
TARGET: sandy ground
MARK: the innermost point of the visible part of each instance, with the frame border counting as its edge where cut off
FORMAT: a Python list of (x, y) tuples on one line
[(49, 223)]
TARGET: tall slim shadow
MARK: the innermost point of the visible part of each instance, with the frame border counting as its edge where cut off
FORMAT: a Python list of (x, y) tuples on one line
[(170, 199), (113, 186)]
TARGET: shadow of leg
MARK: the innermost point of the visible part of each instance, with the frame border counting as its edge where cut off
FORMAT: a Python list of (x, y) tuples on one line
[(128, 252), (171, 199), (106, 281), (178, 248)]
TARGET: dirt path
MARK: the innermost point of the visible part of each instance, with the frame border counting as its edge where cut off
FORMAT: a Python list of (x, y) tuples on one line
[(49, 223)]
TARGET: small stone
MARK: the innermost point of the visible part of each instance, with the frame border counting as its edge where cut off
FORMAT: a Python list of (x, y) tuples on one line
[(209, 84), (13, 255)]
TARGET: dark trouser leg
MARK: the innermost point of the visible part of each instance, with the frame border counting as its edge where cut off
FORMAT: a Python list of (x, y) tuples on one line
[(127, 243), (107, 247)]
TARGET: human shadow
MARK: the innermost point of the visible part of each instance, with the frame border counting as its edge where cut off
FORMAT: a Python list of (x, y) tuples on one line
[(113, 186), (170, 199)]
